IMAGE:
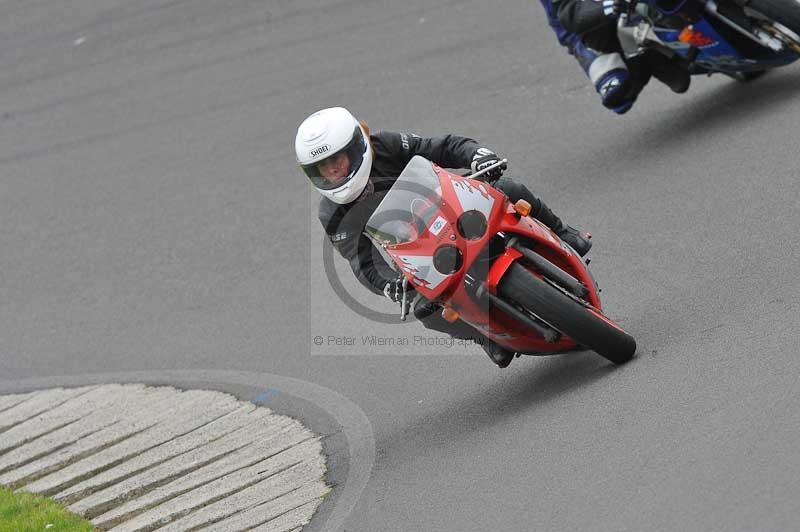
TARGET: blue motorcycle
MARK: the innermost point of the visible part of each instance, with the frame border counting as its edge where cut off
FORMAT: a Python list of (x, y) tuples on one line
[(739, 38)]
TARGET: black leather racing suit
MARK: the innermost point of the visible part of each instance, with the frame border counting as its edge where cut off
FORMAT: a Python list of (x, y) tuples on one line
[(344, 224), (599, 32), (586, 18)]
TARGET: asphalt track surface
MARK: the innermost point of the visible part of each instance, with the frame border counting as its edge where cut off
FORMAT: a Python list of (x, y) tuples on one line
[(151, 218)]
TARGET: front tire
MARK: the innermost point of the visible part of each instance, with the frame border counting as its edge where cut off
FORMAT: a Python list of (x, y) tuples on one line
[(566, 314)]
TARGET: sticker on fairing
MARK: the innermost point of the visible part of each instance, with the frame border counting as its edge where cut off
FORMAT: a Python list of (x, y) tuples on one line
[(437, 226), (421, 267)]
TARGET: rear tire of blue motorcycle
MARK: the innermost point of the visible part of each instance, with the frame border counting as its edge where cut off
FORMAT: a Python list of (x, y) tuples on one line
[(565, 314), (784, 12)]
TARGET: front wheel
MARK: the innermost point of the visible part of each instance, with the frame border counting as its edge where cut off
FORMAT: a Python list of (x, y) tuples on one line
[(781, 18), (569, 316)]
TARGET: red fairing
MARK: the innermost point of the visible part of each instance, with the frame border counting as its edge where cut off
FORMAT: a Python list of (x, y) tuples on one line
[(416, 260)]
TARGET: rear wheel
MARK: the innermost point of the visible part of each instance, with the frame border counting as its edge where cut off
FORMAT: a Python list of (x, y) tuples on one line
[(566, 314), (781, 18)]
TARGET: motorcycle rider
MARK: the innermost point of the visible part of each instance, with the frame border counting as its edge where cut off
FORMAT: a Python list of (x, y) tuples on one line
[(588, 29), (617, 86), (353, 170)]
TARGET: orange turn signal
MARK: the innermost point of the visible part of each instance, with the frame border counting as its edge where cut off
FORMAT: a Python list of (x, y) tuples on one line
[(450, 314), (522, 207)]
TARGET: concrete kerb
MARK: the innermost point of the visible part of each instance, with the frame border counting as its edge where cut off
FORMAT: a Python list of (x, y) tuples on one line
[(353, 422)]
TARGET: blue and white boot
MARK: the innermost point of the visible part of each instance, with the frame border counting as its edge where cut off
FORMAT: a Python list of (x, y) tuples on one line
[(610, 76)]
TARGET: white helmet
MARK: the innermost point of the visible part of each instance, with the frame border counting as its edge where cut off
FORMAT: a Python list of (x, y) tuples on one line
[(328, 133)]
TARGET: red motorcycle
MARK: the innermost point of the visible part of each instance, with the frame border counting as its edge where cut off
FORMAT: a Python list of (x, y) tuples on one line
[(461, 243)]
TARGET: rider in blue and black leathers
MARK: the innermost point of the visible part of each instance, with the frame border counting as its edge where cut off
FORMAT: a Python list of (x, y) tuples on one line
[(587, 28)]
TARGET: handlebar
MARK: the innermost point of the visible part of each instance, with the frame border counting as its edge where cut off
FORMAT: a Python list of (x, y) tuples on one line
[(487, 169)]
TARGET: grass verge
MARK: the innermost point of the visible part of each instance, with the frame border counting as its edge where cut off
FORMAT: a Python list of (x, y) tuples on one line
[(24, 512)]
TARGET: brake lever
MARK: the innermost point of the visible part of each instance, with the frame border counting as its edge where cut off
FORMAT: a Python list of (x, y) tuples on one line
[(487, 169)]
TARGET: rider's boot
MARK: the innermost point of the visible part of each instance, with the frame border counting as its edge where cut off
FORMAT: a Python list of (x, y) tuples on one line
[(499, 355), (580, 241), (669, 72), (608, 72)]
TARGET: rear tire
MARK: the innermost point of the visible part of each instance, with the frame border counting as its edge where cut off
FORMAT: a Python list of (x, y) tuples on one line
[(565, 314), (784, 12)]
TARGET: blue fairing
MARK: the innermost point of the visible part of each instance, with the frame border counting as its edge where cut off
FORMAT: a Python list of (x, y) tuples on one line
[(718, 55)]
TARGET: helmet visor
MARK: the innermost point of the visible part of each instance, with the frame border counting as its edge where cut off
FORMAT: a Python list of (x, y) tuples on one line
[(337, 169)]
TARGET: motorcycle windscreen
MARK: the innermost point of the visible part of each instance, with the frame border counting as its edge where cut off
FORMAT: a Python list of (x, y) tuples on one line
[(410, 206)]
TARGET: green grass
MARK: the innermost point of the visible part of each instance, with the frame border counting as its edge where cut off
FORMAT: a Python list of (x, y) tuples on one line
[(23, 512)]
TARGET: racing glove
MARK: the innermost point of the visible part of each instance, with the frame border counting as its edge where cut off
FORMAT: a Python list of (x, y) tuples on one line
[(483, 158)]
